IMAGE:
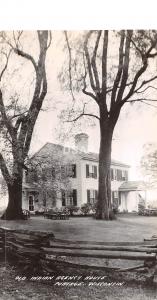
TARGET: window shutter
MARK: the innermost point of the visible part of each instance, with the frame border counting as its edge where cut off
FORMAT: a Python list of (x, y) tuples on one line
[(112, 196), (88, 196), (119, 175), (126, 175), (95, 171), (87, 171), (112, 177), (75, 197), (63, 172), (74, 170), (63, 198), (96, 195)]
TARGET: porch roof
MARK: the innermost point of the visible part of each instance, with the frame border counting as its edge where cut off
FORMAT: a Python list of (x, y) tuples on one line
[(132, 186)]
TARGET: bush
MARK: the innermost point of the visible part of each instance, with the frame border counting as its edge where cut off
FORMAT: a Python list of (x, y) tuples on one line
[(72, 209), (88, 209)]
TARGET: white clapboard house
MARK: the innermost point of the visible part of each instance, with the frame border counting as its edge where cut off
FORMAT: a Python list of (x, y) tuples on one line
[(81, 169)]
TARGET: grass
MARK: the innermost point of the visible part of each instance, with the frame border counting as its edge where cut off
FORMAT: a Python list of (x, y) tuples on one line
[(125, 228)]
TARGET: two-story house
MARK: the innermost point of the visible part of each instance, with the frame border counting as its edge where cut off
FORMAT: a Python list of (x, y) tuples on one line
[(71, 178)]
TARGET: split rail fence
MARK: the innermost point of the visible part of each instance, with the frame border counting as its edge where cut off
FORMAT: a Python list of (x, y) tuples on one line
[(37, 251)]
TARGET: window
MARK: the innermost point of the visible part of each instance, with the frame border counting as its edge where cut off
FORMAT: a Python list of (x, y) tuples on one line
[(92, 196), (75, 197), (124, 175), (63, 174), (119, 175), (69, 198), (91, 171), (31, 203), (71, 170)]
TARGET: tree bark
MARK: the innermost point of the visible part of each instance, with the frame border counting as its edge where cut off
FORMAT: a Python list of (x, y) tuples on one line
[(14, 208), (104, 184)]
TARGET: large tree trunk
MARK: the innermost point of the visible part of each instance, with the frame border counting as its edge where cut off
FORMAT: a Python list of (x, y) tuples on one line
[(14, 208), (104, 185)]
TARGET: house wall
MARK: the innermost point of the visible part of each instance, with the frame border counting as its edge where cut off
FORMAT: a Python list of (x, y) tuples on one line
[(84, 184), (130, 200), (87, 183), (81, 183)]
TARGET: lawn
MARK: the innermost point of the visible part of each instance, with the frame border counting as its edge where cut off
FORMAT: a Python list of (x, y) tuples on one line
[(125, 228)]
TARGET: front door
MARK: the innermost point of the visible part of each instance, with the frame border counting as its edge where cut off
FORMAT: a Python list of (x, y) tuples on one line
[(31, 203)]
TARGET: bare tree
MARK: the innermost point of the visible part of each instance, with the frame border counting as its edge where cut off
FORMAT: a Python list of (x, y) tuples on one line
[(17, 124), (112, 68)]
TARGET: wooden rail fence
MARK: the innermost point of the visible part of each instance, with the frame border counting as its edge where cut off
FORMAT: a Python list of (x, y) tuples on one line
[(36, 251)]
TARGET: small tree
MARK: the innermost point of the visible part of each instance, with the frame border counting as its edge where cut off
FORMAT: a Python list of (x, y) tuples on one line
[(49, 171), (149, 163), (112, 68), (17, 122)]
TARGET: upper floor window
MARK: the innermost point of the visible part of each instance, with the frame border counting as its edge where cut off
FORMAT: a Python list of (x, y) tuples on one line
[(119, 175), (71, 170), (68, 170), (91, 171)]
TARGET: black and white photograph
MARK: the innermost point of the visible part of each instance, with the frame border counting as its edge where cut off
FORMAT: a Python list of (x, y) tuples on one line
[(78, 162)]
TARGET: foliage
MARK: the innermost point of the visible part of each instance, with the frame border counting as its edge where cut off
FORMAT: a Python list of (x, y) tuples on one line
[(111, 68), (18, 114), (149, 163)]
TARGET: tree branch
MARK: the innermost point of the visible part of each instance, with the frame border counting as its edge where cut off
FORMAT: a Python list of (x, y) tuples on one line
[(81, 115), (6, 64), (142, 99), (148, 87), (104, 63), (6, 120), (120, 67), (88, 61), (27, 56), (144, 83), (70, 65), (93, 62), (125, 66), (89, 94)]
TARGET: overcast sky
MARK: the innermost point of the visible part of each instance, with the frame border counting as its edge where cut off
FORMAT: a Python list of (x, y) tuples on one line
[(136, 126)]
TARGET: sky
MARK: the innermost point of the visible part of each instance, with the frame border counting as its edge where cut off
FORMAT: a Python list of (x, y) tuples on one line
[(136, 125)]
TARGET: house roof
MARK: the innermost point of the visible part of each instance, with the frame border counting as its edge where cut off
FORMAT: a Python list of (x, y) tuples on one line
[(132, 186), (30, 186), (50, 148)]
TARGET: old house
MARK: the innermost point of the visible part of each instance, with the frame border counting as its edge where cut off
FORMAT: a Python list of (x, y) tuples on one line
[(61, 176)]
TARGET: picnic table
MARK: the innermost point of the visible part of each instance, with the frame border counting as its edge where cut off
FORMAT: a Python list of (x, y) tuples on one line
[(56, 215)]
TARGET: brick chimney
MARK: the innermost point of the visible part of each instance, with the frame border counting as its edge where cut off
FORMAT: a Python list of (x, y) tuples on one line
[(81, 142)]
